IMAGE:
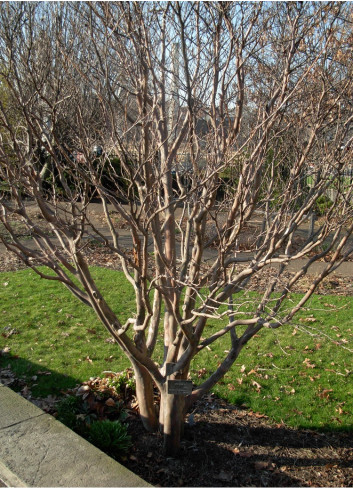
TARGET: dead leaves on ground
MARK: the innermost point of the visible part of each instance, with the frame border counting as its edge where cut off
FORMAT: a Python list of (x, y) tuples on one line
[(325, 394), (253, 383), (9, 331), (309, 319), (259, 464), (307, 363)]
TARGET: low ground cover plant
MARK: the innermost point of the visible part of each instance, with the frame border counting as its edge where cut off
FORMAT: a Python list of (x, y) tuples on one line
[(96, 411), (300, 374), (110, 436)]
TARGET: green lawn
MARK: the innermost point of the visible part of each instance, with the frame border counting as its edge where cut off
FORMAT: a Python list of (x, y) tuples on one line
[(294, 374)]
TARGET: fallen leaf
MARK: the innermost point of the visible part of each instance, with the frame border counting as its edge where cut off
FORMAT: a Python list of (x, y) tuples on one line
[(9, 332), (109, 340), (201, 372), (242, 369), (82, 389), (325, 394), (231, 387), (257, 385), (88, 359), (269, 355), (110, 402), (307, 363), (259, 415), (109, 373), (252, 371), (309, 319), (263, 465)]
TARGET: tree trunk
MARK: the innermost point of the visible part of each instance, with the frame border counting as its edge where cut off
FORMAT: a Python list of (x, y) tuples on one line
[(145, 397), (172, 422)]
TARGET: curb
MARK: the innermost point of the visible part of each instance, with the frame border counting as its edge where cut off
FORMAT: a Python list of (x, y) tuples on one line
[(39, 451)]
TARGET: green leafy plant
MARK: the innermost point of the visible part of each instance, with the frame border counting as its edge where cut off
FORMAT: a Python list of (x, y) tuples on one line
[(68, 409), (123, 381), (110, 436)]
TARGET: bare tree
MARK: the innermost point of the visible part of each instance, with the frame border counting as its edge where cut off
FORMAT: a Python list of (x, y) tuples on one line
[(208, 113)]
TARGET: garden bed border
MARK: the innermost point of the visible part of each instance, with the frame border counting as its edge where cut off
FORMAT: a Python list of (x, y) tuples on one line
[(39, 451)]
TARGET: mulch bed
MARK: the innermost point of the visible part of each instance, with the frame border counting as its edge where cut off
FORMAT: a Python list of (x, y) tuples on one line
[(227, 446)]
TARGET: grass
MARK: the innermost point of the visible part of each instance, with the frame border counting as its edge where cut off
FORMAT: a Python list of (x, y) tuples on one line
[(300, 374), (295, 374), (53, 333)]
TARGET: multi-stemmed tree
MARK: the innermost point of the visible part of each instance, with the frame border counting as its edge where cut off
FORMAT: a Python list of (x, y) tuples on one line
[(207, 113)]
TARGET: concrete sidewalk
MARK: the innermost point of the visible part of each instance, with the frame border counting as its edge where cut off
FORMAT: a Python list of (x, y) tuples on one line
[(36, 450)]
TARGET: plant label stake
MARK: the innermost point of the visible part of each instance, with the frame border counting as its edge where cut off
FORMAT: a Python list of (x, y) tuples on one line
[(181, 387)]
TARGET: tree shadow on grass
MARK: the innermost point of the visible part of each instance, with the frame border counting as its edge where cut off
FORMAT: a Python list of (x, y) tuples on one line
[(33, 379)]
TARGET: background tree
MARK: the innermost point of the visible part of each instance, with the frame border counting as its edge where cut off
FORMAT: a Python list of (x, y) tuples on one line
[(180, 96)]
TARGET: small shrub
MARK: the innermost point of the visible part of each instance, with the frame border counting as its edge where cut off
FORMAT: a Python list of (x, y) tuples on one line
[(110, 436), (68, 409), (123, 382)]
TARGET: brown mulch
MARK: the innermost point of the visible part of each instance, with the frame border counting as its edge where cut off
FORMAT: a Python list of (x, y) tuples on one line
[(227, 446)]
